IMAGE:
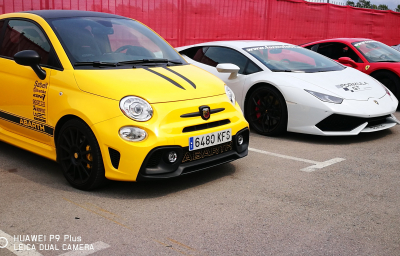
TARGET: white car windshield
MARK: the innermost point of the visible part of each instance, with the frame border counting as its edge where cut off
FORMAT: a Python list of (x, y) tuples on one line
[(375, 51), (291, 58), (111, 41)]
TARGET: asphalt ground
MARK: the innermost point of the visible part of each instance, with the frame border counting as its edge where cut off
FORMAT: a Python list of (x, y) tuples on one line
[(272, 202)]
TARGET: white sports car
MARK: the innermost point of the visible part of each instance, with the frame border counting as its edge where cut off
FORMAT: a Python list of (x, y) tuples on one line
[(283, 87)]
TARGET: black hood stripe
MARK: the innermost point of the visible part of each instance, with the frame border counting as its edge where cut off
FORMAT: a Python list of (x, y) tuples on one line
[(181, 76), (166, 78)]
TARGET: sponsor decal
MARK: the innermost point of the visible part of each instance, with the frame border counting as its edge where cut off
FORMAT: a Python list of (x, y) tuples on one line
[(40, 96), (38, 102), (367, 67), (35, 125), (207, 152), (250, 49), (353, 87)]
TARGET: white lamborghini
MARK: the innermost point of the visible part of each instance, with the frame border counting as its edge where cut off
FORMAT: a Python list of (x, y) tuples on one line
[(283, 87)]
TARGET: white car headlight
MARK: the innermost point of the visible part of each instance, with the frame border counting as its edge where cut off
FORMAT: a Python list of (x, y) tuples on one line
[(230, 94), (326, 97), (136, 108)]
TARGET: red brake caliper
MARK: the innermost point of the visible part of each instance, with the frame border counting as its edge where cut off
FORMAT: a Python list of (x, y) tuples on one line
[(257, 109)]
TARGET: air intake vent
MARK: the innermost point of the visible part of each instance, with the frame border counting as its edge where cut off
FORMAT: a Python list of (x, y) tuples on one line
[(206, 125), (339, 123), (115, 157), (154, 159)]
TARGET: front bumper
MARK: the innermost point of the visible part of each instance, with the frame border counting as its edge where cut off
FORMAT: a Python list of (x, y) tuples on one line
[(312, 116), (124, 160), (156, 166)]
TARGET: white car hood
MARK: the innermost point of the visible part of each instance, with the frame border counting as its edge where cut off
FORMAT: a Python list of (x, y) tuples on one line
[(348, 84)]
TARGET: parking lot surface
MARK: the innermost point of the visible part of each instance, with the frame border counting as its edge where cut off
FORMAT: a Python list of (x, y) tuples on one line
[(292, 195)]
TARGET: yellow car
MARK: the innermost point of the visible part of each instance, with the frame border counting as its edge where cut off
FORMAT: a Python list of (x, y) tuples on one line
[(107, 98)]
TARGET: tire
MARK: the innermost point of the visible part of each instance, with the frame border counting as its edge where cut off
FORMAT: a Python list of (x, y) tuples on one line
[(390, 80), (266, 111), (79, 156)]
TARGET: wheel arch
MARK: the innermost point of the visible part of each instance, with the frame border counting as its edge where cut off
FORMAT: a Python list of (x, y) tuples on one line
[(61, 123), (396, 81), (261, 84), (258, 85), (382, 71)]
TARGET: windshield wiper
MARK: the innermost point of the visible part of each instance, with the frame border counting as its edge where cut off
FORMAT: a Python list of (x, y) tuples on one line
[(387, 61), (287, 70), (96, 64), (281, 70), (142, 61)]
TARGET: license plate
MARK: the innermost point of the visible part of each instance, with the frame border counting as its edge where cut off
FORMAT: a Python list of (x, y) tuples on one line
[(210, 139)]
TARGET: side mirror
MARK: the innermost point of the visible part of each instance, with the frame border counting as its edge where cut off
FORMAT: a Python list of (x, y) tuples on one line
[(228, 68), (348, 61), (32, 59)]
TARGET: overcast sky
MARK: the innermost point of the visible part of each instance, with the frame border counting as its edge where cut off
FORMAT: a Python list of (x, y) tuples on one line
[(392, 4)]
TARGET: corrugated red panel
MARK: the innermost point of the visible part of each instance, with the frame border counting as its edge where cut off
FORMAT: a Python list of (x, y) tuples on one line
[(184, 22)]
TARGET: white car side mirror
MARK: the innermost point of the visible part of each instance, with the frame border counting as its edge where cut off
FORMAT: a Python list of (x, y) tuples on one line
[(228, 68)]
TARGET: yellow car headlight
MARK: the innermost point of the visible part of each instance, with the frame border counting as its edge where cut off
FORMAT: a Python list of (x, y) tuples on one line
[(136, 108)]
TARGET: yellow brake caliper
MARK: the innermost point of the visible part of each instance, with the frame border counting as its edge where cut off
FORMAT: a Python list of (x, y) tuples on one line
[(89, 157)]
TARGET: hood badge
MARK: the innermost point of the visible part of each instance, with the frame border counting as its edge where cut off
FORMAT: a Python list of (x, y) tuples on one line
[(204, 112), (376, 102)]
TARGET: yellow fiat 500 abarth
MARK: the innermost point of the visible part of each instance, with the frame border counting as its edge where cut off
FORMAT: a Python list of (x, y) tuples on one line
[(108, 98)]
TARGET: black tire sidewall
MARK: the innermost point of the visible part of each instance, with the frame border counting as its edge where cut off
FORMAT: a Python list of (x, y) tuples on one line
[(282, 126), (97, 176), (385, 74)]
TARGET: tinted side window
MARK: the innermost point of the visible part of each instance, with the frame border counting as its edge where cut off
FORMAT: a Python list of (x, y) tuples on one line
[(216, 55), (23, 35), (338, 50), (191, 52), (313, 47), (1, 24), (252, 68)]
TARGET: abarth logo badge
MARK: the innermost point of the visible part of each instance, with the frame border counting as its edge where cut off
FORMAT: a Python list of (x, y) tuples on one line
[(205, 112), (376, 102)]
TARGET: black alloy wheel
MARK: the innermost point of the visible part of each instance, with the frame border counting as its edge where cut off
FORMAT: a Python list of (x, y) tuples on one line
[(390, 80), (266, 111), (79, 155)]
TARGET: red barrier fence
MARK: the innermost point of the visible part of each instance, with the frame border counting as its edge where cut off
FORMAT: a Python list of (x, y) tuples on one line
[(183, 22)]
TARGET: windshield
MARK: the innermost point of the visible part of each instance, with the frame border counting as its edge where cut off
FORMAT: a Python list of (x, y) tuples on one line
[(291, 58), (111, 40), (375, 51)]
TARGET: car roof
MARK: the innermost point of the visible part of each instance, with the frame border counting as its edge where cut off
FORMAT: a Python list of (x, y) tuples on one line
[(347, 40), (51, 14), (238, 43)]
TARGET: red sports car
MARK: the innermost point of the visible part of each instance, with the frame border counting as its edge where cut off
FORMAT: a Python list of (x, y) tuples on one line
[(371, 57)]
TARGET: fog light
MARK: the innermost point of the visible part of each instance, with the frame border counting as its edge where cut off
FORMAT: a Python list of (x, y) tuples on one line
[(172, 156), (240, 140), (131, 133)]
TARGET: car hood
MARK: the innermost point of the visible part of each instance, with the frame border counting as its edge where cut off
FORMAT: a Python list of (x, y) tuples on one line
[(348, 84), (155, 84)]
